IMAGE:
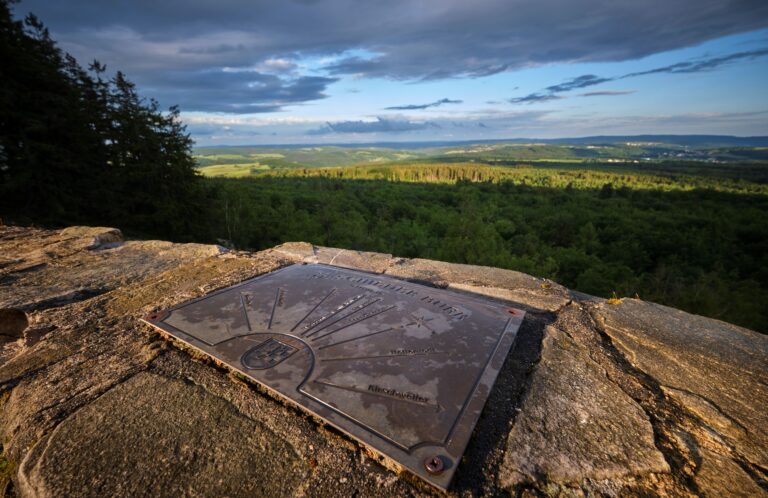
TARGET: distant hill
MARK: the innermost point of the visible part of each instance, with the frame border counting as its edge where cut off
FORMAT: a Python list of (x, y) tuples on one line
[(683, 140), (687, 140), (240, 161)]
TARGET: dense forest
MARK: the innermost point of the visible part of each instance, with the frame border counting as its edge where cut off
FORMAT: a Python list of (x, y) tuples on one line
[(556, 176), (701, 250), (78, 146)]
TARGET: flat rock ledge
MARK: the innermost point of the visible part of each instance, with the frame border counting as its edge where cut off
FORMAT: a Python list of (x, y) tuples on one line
[(623, 399)]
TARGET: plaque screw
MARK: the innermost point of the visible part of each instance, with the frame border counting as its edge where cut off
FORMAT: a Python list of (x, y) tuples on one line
[(434, 464), (512, 311)]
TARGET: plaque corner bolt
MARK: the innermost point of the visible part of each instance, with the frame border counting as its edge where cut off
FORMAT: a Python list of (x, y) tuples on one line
[(434, 464)]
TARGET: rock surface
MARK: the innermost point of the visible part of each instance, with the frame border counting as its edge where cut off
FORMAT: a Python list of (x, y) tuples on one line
[(577, 426), (596, 398)]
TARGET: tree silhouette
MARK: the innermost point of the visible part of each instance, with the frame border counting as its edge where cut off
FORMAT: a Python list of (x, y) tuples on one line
[(79, 147)]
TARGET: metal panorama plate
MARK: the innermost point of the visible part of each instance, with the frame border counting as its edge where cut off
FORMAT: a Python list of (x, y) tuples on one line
[(403, 368)]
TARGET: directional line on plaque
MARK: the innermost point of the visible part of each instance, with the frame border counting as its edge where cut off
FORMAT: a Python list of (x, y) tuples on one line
[(360, 307), (353, 323), (313, 309), (274, 306), (335, 312), (245, 312), (399, 327)]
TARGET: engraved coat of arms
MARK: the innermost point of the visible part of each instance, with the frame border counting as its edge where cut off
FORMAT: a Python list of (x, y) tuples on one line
[(267, 354)]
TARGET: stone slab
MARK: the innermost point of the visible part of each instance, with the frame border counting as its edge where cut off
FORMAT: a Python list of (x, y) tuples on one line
[(716, 370), (153, 449), (576, 424)]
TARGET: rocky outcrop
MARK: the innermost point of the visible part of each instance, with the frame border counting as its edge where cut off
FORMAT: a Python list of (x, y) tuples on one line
[(627, 398)]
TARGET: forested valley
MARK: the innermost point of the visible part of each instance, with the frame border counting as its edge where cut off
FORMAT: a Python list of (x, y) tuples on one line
[(701, 250), (80, 147)]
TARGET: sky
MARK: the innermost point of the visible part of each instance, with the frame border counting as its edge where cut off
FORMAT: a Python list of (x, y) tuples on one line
[(360, 71)]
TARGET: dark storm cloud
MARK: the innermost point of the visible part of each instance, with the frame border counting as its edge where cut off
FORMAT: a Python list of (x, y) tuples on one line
[(234, 92), (381, 125), (353, 65), (408, 39), (214, 49), (413, 107)]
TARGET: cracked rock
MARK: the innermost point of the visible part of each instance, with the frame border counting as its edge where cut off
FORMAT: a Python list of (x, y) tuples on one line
[(576, 424), (716, 370)]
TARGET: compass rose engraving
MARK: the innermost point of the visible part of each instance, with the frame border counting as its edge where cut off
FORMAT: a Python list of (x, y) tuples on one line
[(421, 321)]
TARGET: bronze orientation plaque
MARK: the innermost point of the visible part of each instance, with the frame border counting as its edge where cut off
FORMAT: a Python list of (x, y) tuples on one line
[(403, 368)]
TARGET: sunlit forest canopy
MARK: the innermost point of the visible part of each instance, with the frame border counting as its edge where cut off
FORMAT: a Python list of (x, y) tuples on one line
[(679, 221), (709, 258)]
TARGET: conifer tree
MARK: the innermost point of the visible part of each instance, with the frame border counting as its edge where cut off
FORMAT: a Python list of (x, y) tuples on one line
[(79, 147)]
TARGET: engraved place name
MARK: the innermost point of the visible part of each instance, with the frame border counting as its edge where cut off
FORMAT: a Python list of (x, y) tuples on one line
[(247, 296), (369, 281), (407, 395), (411, 352), (358, 281), (375, 390), (451, 311)]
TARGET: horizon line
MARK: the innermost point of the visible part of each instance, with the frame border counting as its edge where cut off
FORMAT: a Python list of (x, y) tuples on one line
[(385, 143)]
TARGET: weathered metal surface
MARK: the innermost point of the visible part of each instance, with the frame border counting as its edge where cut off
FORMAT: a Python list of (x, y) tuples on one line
[(402, 367)]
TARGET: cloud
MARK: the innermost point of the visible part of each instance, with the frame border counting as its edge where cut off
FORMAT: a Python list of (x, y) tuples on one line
[(212, 49), (381, 125), (534, 98), (587, 80), (352, 66), (714, 123), (237, 92), (210, 129), (578, 82), (413, 107), (607, 93), (415, 40), (528, 123), (696, 66)]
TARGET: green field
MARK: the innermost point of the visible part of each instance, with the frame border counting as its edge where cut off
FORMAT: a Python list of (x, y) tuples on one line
[(235, 170), (214, 161), (560, 176), (630, 157)]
